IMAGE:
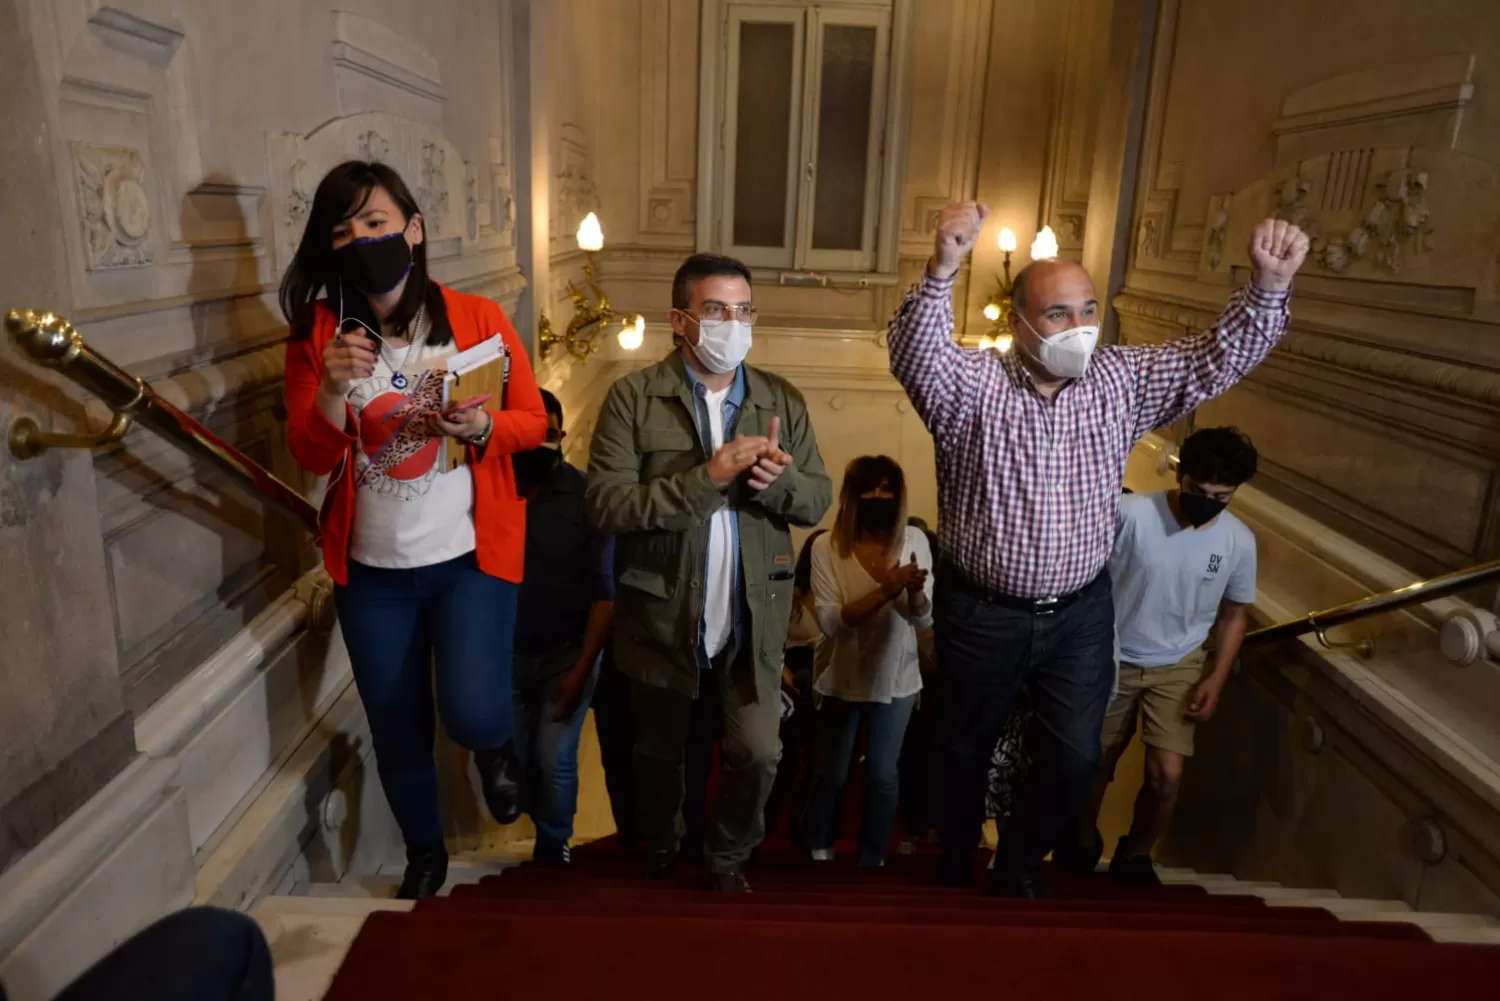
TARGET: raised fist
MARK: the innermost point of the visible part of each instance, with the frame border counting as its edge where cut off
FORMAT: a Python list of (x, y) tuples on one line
[(957, 230), (1277, 250)]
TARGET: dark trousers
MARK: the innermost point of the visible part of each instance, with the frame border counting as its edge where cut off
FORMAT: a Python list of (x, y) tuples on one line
[(794, 773), (200, 954), (399, 625), (918, 771), (616, 744), (986, 651), (749, 749)]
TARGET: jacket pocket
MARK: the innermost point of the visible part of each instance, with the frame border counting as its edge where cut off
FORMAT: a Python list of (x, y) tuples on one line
[(646, 581), (665, 440)]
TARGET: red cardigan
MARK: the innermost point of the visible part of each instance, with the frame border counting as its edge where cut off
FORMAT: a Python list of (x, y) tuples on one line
[(325, 450)]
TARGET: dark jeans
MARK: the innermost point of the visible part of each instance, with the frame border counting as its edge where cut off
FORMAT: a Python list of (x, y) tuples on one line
[(200, 954), (396, 623), (749, 749), (616, 744), (838, 728), (547, 748), (985, 652)]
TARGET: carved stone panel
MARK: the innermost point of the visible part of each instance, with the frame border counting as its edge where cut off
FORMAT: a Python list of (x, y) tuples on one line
[(1403, 215), (115, 210), (425, 159)]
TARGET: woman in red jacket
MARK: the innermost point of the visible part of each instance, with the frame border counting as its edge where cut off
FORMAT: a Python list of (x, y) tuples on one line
[(426, 561)]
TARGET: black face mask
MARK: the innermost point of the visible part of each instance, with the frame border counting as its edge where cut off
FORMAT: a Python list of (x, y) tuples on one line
[(535, 466), (877, 514), (375, 265), (1198, 509)]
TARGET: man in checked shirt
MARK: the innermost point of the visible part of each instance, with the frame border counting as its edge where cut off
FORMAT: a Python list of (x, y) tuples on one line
[(1031, 449)]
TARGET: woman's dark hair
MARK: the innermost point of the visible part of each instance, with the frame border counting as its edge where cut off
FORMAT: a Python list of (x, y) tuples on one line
[(341, 194), (802, 575), (1223, 456), (861, 476)]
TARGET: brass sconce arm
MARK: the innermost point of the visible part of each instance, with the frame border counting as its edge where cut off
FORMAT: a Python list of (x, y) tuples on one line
[(592, 312)]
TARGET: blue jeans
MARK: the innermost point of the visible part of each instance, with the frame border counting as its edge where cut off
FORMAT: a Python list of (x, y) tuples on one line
[(200, 954), (985, 651), (396, 624), (838, 726), (546, 748)]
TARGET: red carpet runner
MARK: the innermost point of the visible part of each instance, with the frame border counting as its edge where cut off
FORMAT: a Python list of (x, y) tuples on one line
[(823, 931)]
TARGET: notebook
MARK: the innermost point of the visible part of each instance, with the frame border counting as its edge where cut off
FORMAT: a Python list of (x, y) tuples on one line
[(482, 369)]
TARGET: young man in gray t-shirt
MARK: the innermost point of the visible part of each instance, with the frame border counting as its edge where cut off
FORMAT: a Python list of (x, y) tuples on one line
[(1181, 566)]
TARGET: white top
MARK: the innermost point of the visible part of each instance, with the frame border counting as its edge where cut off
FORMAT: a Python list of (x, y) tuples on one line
[(875, 661), (415, 515), (718, 589), (1169, 580)]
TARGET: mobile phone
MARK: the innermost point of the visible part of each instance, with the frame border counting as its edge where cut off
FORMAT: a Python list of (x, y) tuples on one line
[(470, 404)]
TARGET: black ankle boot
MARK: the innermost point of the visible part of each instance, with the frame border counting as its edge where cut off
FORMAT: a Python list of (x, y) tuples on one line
[(426, 872), (500, 780)]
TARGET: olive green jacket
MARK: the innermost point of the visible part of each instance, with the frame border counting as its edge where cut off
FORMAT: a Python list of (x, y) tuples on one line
[(649, 488)]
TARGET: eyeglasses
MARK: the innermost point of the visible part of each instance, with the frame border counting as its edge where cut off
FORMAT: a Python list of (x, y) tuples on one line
[(717, 311)]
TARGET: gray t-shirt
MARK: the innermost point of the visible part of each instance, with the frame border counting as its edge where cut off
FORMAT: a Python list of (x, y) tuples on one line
[(1169, 580)]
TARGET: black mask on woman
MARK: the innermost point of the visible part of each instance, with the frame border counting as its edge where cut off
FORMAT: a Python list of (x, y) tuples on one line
[(375, 265), (535, 466), (877, 514), (1198, 509)]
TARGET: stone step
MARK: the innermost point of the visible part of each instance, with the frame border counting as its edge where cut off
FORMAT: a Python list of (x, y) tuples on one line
[(309, 937)]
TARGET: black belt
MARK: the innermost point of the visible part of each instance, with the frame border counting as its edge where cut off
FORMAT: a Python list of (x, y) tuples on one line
[(951, 575)]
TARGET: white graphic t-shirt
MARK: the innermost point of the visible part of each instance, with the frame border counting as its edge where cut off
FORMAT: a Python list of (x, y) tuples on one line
[(414, 514)]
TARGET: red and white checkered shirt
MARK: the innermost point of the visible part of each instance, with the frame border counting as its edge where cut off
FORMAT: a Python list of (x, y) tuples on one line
[(1028, 490)]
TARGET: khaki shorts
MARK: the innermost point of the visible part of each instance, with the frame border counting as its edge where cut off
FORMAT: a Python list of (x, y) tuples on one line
[(1162, 695)]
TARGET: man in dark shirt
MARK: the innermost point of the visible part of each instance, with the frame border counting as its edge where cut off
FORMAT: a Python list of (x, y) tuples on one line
[(563, 618)]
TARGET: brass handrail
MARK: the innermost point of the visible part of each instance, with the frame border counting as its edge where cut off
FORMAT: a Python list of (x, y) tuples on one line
[(50, 340), (1417, 593)]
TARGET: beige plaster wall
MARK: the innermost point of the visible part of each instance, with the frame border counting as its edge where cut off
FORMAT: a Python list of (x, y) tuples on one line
[(212, 123)]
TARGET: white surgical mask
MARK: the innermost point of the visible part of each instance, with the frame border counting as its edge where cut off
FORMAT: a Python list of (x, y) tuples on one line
[(722, 344), (1065, 354)]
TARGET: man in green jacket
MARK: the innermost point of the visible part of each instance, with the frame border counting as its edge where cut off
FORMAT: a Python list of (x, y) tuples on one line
[(698, 466)]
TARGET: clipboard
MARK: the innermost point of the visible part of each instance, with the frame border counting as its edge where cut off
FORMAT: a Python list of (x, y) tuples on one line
[(482, 369)]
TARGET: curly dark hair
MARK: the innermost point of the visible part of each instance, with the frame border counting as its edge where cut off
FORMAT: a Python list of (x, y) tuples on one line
[(1217, 455)]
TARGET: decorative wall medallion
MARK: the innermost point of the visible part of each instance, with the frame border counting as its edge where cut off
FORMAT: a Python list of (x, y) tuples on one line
[(114, 208), (1071, 227), (432, 188), (373, 146)]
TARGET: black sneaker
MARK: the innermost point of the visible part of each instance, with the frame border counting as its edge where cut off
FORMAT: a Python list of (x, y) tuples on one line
[(551, 853), (1080, 858), (1134, 870)]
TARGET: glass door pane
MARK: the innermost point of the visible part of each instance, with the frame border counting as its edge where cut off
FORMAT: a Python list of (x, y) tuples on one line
[(846, 93), (848, 71), (763, 118)]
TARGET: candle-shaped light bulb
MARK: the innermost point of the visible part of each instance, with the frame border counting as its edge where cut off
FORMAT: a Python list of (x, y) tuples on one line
[(590, 235)]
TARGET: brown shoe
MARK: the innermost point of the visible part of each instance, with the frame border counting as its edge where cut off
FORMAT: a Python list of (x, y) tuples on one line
[(728, 882)]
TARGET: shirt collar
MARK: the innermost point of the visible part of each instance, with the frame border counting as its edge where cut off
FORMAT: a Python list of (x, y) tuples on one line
[(736, 396)]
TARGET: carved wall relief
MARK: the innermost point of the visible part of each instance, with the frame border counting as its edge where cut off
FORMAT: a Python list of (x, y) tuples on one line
[(575, 194), (418, 151), (115, 212), (1408, 215), (432, 188), (1218, 224), (1396, 224)]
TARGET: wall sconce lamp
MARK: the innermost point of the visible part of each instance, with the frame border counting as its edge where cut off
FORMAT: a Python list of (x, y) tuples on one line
[(580, 339), (998, 338)]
